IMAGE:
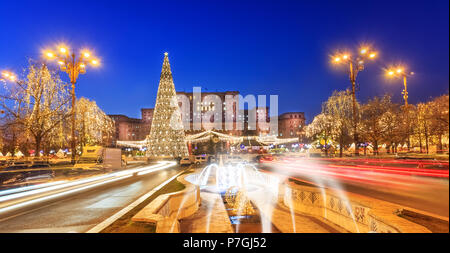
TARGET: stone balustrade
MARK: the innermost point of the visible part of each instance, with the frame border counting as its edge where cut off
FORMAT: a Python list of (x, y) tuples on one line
[(167, 209), (353, 212)]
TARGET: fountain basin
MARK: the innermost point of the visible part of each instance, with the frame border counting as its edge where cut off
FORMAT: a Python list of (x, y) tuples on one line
[(355, 213)]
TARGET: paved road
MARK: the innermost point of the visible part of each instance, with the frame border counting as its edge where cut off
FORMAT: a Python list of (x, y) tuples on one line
[(82, 211), (423, 193)]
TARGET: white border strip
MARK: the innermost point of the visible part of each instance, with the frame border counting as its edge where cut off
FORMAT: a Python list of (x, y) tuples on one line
[(99, 227)]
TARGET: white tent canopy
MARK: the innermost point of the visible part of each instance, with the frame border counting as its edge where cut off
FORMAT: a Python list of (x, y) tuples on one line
[(18, 154), (60, 153)]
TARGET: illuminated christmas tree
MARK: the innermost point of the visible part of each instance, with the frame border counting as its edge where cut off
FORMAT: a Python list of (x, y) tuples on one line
[(166, 137)]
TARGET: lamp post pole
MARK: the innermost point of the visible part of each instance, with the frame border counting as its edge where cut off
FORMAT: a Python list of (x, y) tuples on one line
[(405, 91), (73, 144), (355, 119), (73, 70), (399, 72), (405, 96)]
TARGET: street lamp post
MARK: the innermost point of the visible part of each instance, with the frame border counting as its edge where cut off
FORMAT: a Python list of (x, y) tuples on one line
[(405, 91), (400, 72), (6, 76), (73, 66), (355, 65)]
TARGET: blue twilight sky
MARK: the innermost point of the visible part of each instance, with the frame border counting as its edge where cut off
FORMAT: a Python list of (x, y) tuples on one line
[(256, 47)]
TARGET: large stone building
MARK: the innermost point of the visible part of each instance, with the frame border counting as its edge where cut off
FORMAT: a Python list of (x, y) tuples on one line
[(262, 121), (203, 107), (132, 129), (291, 124)]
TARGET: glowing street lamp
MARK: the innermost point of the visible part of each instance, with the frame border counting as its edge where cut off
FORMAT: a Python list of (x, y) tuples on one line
[(355, 64), (399, 72), (73, 65), (8, 76)]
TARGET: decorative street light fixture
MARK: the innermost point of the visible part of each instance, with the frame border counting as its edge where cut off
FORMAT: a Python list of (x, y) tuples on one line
[(355, 64), (73, 65), (399, 72), (8, 76)]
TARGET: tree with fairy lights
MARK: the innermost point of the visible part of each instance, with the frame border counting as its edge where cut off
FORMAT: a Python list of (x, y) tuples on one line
[(166, 137)]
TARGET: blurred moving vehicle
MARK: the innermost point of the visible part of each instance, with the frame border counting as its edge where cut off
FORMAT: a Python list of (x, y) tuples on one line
[(233, 159), (264, 158)]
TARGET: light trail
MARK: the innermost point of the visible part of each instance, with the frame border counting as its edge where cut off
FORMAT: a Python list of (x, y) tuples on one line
[(422, 189), (28, 188), (380, 160), (382, 177), (33, 196), (441, 173)]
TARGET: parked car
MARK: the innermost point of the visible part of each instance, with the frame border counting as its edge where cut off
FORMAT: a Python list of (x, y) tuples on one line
[(22, 172), (200, 159), (15, 167), (185, 161), (39, 172), (9, 178)]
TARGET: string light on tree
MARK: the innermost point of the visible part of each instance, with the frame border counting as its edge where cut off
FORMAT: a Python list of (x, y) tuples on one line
[(167, 128)]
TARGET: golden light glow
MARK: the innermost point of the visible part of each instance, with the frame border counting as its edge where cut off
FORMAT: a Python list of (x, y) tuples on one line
[(49, 54), (60, 54), (372, 55), (345, 57), (8, 75), (391, 73), (363, 51), (337, 59), (399, 70)]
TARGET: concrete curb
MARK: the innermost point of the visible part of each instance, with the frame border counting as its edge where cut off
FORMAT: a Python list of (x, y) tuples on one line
[(101, 226), (166, 210), (363, 214)]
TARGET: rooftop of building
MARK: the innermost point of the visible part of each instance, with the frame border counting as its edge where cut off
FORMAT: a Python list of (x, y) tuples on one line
[(121, 117), (287, 115)]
